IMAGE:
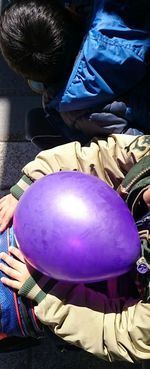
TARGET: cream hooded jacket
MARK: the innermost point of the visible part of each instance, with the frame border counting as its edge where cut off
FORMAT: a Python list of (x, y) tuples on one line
[(109, 326)]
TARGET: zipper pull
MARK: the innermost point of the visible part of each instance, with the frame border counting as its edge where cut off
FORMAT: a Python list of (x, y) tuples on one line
[(142, 265)]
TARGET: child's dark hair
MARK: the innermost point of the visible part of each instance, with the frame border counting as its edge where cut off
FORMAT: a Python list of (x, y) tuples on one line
[(40, 39)]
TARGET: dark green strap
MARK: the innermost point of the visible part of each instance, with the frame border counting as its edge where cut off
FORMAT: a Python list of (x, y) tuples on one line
[(132, 188), (139, 171), (134, 198)]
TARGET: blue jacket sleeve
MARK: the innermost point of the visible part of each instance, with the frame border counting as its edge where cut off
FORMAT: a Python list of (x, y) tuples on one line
[(111, 61)]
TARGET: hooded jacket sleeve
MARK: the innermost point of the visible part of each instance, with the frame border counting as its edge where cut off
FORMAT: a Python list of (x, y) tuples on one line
[(114, 118), (110, 329), (109, 160)]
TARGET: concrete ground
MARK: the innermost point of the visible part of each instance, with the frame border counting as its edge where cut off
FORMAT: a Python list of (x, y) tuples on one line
[(50, 352)]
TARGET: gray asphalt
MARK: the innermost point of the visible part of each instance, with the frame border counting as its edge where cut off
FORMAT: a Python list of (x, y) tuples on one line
[(52, 353), (49, 352)]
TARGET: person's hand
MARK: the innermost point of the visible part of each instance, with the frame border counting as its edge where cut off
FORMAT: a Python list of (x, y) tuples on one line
[(146, 197), (16, 269), (8, 206)]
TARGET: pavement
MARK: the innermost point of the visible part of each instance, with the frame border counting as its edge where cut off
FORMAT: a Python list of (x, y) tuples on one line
[(16, 99), (50, 352)]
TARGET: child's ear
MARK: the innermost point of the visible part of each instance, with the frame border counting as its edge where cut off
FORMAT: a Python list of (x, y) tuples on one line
[(146, 197)]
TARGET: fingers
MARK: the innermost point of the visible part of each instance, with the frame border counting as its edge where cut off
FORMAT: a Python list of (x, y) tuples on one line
[(12, 270), (11, 262), (12, 273), (4, 214), (11, 283), (3, 199), (2, 211), (17, 253), (15, 269), (8, 205), (4, 221)]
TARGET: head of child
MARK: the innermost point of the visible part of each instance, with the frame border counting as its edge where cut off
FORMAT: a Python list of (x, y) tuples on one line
[(40, 39)]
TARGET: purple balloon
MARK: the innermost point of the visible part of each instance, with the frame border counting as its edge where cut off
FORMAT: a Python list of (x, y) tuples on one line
[(74, 227)]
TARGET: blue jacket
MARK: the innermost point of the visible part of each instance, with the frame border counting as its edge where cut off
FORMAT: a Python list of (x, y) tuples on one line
[(108, 90), (111, 61)]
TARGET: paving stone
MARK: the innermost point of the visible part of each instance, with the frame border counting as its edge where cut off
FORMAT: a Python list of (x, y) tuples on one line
[(11, 84), (13, 156), (16, 99), (53, 353), (13, 111)]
